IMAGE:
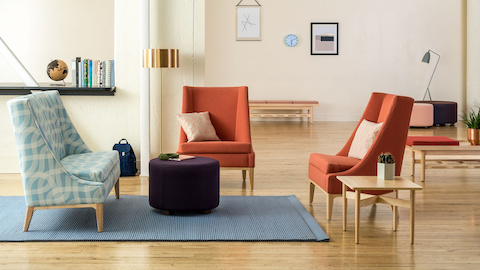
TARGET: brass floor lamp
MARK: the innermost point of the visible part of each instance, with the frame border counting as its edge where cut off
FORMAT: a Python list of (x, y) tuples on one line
[(161, 58)]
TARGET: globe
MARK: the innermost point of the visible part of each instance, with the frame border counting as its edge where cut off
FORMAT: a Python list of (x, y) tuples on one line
[(57, 70)]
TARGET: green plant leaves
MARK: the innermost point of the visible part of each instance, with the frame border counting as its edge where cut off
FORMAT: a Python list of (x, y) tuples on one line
[(167, 156), (472, 119), (386, 158)]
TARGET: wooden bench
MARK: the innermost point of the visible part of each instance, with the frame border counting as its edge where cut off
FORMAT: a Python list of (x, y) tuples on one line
[(283, 105), (463, 155)]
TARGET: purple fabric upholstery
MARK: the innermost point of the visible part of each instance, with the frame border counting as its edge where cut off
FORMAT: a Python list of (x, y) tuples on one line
[(444, 112), (188, 185)]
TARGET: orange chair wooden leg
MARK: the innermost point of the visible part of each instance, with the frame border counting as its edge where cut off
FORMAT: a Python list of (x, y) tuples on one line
[(330, 198), (250, 174), (312, 192)]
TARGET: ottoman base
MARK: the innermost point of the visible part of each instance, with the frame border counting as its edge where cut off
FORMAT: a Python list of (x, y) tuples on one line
[(190, 185), (169, 213)]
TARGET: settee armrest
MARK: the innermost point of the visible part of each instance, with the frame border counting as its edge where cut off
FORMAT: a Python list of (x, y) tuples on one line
[(242, 127)]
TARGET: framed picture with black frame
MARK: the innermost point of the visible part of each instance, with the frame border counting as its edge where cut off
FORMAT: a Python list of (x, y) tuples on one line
[(324, 38)]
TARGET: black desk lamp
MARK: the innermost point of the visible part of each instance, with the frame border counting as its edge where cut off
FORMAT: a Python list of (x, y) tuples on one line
[(426, 59)]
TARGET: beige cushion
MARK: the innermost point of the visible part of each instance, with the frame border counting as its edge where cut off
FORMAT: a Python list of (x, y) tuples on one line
[(198, 127), (364, 137)]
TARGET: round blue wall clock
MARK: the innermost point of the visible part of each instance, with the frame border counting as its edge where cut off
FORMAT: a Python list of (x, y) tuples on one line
[(291, 40)]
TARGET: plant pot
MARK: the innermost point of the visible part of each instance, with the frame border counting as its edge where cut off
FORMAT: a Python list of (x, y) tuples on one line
[(386, 171), (473, 136)]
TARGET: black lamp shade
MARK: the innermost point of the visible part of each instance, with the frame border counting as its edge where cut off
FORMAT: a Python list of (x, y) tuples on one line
[(426, 57)]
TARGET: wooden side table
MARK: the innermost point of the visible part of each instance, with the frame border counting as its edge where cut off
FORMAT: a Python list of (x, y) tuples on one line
[(359, 183)]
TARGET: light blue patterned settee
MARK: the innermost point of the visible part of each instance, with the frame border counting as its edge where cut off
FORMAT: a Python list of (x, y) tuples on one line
[(58, 169)]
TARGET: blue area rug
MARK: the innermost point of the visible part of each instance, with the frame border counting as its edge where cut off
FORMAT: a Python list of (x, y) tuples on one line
[(237, 218)]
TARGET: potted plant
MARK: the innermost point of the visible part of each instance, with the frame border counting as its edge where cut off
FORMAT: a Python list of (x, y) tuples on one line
[(386, 166), (472, 121)]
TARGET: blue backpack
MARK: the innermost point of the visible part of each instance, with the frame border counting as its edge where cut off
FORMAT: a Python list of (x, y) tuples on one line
[(128, 166)]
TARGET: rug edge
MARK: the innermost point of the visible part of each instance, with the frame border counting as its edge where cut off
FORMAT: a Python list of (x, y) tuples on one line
[(315, 228)]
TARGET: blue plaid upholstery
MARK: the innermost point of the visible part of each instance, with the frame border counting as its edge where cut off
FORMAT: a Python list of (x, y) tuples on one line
[(93, 166), (57, 167)]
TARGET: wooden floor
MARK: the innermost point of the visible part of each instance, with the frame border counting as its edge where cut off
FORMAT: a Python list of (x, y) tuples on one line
[(447, 218)]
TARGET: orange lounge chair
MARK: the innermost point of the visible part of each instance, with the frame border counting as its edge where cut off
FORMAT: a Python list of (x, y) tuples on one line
[(229, 114), (391, 110)]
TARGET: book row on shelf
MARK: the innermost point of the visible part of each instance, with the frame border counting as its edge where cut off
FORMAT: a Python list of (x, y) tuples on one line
[(90, 73)]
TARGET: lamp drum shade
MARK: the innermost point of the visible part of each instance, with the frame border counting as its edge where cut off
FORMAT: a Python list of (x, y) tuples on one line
[(160, 58)]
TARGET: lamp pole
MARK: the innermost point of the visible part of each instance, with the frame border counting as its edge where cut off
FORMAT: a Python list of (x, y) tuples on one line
[(428, 87)]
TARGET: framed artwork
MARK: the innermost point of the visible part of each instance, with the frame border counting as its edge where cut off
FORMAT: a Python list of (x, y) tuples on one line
[(248, 23), (324, 39)]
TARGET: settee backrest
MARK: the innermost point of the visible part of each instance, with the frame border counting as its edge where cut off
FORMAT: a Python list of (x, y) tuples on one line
[(43, 115), (45, 107)]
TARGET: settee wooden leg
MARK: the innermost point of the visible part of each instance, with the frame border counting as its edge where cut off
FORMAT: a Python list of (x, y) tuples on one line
[(99, 211), (312, 192), (250, 174), (244, 174), (28, 218), (117, 189)]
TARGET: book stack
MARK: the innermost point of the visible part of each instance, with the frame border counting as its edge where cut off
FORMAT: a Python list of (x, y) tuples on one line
[(90, 73)]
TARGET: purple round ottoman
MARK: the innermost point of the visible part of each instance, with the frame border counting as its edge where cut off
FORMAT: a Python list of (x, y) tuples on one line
[(187, 185), (444, 112)]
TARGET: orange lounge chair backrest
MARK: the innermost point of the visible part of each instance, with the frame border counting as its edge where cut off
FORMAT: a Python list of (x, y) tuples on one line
[(394, 111), (227, 106)]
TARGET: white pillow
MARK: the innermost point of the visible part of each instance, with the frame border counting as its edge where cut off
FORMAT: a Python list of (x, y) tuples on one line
[(198, 126), (364, 137)]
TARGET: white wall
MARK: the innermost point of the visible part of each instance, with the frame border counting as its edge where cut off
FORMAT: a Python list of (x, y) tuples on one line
[(56, 29), (473, 47), (42, 30), (381, 45), (172, 25)]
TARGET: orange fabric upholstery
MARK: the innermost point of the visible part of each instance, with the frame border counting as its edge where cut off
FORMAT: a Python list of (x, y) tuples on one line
[(230, 116), (217, 147), (332, 164), (394, 111)]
